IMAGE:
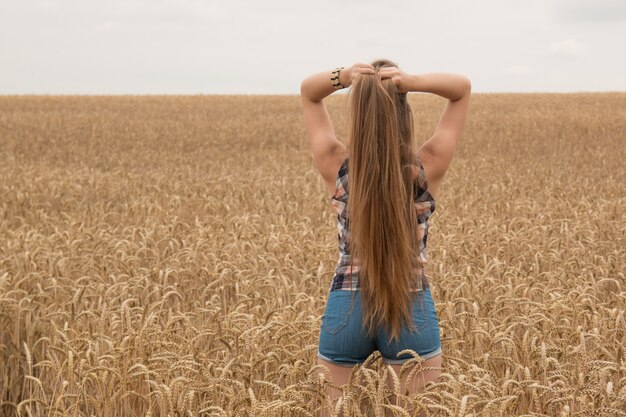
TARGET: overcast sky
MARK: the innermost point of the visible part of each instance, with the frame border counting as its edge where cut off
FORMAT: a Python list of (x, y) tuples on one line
[(270, 46)]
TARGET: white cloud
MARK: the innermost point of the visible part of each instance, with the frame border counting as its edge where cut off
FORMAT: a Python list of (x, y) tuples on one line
[(589, 10), (244, 46), (518, 70), (567, 47)]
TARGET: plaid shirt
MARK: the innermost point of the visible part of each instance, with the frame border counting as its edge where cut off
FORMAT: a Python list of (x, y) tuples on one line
[(346, 278)]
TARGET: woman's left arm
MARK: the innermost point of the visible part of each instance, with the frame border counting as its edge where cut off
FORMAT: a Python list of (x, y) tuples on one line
[(319, 85), (321, 133)]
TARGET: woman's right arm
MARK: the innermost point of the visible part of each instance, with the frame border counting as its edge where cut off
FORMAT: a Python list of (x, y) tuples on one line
[(437, 152), (447, 85)]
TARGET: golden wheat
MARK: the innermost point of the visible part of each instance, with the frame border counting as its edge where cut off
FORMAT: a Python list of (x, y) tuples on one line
[(171, 256)]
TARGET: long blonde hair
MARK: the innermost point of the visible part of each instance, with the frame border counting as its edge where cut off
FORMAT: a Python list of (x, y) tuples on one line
[(383, 221)]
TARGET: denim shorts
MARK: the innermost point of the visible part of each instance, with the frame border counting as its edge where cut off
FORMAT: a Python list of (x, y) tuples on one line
[(343, 340)]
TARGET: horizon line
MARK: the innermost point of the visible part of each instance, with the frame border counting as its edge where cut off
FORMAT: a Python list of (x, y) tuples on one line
[(276, 94)]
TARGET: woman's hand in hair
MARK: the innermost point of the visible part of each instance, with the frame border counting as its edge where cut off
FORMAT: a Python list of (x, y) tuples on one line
[(401, 79), (355, 70)]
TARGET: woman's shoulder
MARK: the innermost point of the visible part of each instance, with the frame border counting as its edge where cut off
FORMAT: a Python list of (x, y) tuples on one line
[(424, 171)]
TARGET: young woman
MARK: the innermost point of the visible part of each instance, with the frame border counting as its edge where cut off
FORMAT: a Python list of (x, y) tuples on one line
[(384, 190)]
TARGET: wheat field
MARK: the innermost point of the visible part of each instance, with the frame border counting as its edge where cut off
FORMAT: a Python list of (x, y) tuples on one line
[(171, 256)]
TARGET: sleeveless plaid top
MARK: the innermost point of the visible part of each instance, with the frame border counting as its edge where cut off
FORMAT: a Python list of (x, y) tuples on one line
[(346, 278)]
